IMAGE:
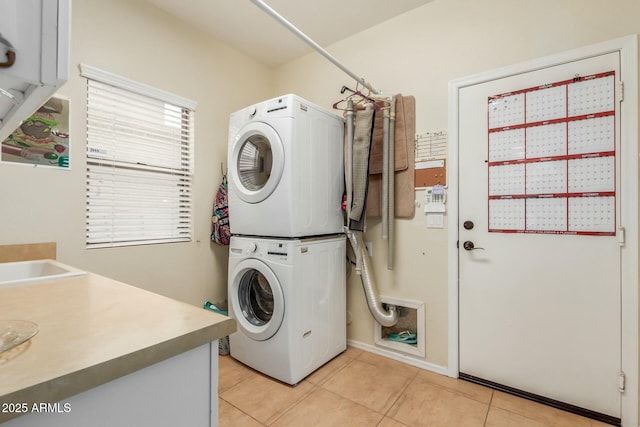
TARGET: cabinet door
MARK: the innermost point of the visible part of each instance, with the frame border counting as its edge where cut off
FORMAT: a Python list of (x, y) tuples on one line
[(38, 30), (20, 24)]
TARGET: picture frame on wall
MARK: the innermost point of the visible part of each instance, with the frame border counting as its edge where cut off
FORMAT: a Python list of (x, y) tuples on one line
[(43, 138)]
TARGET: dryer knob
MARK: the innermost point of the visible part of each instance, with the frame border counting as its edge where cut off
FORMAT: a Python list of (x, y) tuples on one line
[(252, 112), (251, 247)]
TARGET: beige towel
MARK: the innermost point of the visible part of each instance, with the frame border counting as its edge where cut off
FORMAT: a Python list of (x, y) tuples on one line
[(405, 130), (401, 140)]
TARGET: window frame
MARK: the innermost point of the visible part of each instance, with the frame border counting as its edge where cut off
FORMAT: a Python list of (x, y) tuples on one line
[(153, 161)]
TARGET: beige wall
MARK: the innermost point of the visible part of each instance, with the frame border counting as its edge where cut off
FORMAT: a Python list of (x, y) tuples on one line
[(418, 54), (138, 41)]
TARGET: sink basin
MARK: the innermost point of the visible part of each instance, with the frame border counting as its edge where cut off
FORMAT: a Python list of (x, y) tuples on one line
[(12, 273)]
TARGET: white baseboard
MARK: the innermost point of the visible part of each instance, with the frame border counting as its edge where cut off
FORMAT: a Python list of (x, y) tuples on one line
[(400, 357)]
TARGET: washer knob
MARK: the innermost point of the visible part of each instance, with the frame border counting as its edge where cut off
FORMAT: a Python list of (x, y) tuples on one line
[(251, 247)]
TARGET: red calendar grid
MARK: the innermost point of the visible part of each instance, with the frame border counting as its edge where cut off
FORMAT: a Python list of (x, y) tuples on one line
[(565, 157)]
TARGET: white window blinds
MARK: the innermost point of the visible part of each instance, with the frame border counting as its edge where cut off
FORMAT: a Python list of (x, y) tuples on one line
[(139, 163)]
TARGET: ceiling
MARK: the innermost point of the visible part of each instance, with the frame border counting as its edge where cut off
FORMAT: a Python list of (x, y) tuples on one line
[(244, 26)]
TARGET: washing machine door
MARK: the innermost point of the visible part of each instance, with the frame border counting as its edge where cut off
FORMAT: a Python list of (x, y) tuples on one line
[(257, 162), (257, 299)]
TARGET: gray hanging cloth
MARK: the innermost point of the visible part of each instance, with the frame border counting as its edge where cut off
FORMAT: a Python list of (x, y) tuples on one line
[(363, 131)]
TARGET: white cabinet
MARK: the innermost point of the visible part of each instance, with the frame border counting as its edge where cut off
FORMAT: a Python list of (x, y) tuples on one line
[(180, 391), (38, 31)]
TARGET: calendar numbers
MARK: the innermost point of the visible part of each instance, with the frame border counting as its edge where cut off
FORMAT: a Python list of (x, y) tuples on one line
[(546, 177), (547, 214), (591, 214), (506, 110), (546, 104), (591, 135), (506, 145), (508, 214), (546, 140), (591, 96), (506, 180)]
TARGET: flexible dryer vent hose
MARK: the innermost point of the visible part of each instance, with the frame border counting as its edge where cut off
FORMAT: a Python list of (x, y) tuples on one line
[(384, 317)]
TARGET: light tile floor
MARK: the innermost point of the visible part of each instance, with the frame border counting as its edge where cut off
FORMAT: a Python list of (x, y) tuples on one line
[(359, 388)]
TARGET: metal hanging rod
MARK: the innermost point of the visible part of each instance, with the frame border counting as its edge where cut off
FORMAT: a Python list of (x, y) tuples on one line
[(270, 11)]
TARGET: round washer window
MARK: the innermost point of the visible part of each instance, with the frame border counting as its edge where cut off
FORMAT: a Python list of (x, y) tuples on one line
[(256, 298)]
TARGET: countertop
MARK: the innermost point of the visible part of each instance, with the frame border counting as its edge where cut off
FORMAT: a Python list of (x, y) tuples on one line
[(92, 330)]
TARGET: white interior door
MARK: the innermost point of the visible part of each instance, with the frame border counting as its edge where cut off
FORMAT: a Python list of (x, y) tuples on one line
[(539, 295)]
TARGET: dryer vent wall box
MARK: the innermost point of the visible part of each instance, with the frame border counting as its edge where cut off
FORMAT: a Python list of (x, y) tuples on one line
[(41, 57)]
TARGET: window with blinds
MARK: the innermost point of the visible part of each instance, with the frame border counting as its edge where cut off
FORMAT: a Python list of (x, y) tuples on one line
[(139, 163)]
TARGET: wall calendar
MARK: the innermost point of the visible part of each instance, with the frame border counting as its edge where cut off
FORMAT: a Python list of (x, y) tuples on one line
[(552, 158)]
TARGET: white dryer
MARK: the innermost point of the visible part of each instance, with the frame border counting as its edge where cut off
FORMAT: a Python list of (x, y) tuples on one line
[(289, 300), (285, 169)]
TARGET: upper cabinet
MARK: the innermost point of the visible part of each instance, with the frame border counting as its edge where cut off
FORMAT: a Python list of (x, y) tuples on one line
[(34, 57)]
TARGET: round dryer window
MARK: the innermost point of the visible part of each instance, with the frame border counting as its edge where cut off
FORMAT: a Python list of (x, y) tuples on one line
[(257, 299), (257, 162)]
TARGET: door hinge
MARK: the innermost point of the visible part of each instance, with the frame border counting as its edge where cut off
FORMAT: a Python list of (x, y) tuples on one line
[(621, 382), (620, 91), (621, 236)]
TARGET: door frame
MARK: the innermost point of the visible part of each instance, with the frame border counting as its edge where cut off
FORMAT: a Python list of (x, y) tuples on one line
[(628, 190)]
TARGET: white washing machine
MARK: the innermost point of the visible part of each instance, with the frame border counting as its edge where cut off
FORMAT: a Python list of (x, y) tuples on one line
[(285, 169), (289, 300)]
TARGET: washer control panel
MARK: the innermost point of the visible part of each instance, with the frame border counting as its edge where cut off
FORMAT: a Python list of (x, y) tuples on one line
[(262, 248), (278, 249)]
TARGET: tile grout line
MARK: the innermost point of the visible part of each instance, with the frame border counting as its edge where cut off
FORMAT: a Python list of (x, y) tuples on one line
[(314, 387), (459, 392), (402, 391), (248, 415), (331, 375), (486, 417), (326, 380), (410, 379)]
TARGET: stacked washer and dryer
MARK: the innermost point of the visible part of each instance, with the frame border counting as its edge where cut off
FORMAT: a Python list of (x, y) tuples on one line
[(287, 285)]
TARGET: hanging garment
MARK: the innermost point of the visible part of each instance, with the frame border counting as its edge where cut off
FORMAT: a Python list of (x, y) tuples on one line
[(220, 231), (360, 169), (405, 130)]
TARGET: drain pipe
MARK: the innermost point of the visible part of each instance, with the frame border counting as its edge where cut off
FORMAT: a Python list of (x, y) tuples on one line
[(391, 210), (385, 175), (384, 317)]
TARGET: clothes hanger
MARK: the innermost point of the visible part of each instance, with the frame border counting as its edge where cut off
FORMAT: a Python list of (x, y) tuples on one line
[(336, 105), (353, 94), (376, 100)]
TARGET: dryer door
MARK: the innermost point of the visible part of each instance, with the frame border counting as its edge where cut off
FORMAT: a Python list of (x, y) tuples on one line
[(257, 299), (257, 162)]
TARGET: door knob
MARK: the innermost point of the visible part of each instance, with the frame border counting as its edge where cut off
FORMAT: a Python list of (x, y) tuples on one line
[(469, 246), (468, 225)]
